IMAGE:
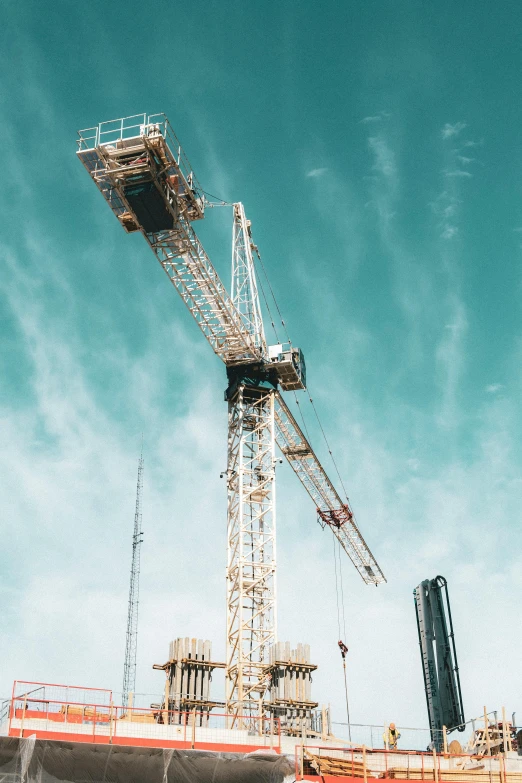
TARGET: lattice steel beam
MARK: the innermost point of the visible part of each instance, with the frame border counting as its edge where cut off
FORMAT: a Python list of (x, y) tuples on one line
[(330, 508), (244, 285), (251, 562)]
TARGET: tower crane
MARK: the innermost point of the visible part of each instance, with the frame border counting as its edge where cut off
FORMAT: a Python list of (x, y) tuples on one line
[(145, 177)]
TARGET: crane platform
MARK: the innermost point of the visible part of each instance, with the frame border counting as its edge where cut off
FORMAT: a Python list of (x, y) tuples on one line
[(142, 172)]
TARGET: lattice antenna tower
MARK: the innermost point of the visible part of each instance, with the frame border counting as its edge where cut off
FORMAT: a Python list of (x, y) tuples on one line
[(131, 642)]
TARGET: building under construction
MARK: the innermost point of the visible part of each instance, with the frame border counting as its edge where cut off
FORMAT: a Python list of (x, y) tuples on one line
[(144, 176)]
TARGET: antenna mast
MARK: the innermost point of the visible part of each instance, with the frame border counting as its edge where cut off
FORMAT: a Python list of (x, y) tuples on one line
[(131, 643)]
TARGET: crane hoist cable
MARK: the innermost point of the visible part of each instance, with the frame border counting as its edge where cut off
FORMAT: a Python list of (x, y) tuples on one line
[(275, 332), (328, 446), (222, 202), (342, 646), (267, 306), (308, 393)]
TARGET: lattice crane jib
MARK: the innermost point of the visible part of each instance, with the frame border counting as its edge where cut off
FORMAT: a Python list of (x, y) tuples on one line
[(141, 170), (131, 639), (331, 510)]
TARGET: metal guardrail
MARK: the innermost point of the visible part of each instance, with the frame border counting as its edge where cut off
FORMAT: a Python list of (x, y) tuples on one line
[(4, 716), (102, 723), (317, 760)]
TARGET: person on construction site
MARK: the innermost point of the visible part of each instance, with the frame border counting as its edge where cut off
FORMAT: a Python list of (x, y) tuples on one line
[(391, 736)]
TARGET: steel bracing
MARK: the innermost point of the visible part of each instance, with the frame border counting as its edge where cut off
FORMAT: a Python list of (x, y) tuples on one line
[(140, 168), (244, 285), (251, 561), (183, 258), (131, 640)]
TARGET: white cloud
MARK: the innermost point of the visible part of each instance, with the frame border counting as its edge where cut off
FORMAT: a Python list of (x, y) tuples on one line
[(457, 173), (384, 158), (450, 358), (449, 130), (493, 388), (317, 172), (382, 115), (449, 232), (464, 160)]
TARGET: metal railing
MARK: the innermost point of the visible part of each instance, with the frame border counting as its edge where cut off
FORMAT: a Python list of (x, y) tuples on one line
[(372, 735), (102, 723), (413, 738), (136, 126), (45, 691), (365, 763), (111, 131)]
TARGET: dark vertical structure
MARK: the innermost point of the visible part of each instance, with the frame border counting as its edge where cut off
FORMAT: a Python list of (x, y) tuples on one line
[(131, 643), (439, 658)]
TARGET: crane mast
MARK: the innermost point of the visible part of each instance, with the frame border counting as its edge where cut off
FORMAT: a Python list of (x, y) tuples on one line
[(251, 512), (141, 170), (131, 639)]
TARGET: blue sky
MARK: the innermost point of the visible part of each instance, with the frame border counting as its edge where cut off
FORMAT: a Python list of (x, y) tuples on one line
[(377, 150)]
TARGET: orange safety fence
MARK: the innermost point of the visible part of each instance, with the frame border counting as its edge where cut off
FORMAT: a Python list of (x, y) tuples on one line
[(109, 723), (361, 762)]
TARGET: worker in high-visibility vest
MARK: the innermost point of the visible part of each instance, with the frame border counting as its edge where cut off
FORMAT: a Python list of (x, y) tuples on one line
[(391, 736)]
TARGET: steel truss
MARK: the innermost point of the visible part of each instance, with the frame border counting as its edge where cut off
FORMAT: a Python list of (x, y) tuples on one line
[(244, 285), (185, 261), (331, 510), (251, 561), (131, 638)]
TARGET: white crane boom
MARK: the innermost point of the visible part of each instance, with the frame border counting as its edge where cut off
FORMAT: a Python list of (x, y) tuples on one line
[(185, 261), (332, 511), (141, 171)]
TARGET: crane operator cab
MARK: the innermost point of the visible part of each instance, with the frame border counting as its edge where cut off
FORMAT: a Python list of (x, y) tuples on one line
[(290, 365)]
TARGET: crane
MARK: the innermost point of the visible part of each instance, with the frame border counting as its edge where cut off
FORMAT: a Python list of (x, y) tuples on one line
[(131, 638), (141, 170)]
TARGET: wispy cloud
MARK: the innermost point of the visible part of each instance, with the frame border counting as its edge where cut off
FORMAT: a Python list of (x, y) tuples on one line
[(464, 160), (457, 173), (383, 115), (384, 158), (450, 361), (317, 172), (449, 130), (448, 232), (493, 388), (446, 207)]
